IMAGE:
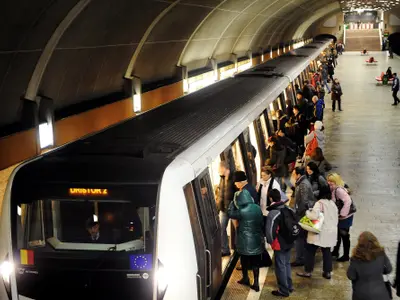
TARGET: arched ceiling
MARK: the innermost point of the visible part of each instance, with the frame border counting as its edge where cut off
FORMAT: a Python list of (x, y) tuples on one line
[(73, 51)]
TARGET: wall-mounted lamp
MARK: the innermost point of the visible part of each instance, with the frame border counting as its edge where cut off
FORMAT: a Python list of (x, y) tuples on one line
[(137, 103), (46, 135)]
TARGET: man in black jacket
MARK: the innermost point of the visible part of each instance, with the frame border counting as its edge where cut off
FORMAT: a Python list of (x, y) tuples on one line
[(395, 89), (397, 280), (226, 193)]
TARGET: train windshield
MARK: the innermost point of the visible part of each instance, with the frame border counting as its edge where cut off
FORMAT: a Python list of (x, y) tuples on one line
[(85, 225)]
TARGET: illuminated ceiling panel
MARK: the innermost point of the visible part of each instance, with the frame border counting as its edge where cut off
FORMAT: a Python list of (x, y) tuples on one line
[(359, 5)]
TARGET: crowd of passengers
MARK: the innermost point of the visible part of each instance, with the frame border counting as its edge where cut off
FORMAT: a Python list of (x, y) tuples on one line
[(264, 213)]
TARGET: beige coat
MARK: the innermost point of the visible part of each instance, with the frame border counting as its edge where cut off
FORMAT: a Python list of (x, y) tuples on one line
[(328, 236)]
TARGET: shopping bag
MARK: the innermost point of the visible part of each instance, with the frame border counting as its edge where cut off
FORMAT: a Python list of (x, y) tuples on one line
[(312, 225)]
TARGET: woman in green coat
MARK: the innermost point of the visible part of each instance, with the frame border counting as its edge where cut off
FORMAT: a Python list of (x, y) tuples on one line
[(250, 241)]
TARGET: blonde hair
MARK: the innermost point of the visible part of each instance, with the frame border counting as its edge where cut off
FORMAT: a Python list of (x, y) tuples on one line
[(336, 179)]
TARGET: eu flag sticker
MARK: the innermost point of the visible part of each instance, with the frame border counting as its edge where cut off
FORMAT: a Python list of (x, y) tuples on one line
[(141, 262)]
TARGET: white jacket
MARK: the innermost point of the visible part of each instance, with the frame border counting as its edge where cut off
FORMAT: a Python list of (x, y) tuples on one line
[(264, 191), (328, 236)]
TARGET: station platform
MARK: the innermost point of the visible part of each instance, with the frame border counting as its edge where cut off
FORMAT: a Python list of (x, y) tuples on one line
[(363, 143)]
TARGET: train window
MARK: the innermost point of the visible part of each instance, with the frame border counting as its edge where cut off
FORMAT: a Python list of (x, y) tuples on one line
[(86, 225), (207, 196), (253, 140), (251, 152), (238, 157), (278, 100), (213, 168), (264, 128), (272, 114)]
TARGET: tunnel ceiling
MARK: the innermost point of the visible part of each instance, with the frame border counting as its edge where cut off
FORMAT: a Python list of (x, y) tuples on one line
[(73, 51)]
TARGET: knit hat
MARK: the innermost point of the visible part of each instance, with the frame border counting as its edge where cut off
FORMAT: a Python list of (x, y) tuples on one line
[(318, 125), (239, 176)]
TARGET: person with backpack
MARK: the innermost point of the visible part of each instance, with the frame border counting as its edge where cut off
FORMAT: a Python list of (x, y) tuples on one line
[(304, 199), (265, 185), (341, 197), (250, 239), (290, 159), (281, 229), (324, 240)]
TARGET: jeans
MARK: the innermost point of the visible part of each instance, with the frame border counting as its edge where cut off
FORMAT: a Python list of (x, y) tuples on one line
[(283, 271), (224, 236), (325, 83), (310, 258), (300, 245)]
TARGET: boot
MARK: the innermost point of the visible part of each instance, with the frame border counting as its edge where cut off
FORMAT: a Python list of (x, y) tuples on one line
[(346, 249), (335, 252), (245, 277), (256, 284)]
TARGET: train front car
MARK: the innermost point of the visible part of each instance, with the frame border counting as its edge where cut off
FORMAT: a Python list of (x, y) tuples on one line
[(82, 227)]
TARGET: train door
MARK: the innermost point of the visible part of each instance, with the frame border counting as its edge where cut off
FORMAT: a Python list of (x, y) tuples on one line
[(211, 231)]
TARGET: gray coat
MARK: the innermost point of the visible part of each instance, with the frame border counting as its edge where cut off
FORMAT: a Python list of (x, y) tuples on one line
[(367, 278), (304, 196)]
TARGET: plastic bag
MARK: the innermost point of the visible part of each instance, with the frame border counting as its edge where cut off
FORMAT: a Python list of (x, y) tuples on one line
[(312, 225)]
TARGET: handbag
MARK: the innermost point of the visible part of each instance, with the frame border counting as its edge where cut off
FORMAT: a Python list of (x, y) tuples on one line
[(311, 146), (313, 225), (266, 260)]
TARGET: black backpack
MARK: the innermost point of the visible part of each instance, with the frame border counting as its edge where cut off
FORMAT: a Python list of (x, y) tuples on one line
[(291, 155), (290, 228)]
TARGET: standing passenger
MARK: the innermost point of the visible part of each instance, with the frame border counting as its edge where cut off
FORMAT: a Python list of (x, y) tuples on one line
[(277, 159), (367, 266), (250, 241), (326, 239), (274, 231), (241, 183), (226, 192), (342, 199), (337, 95), (304, 199), (395, 89), (318, 109)]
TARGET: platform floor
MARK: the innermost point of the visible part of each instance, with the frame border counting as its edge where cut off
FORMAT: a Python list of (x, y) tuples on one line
[(363, 142)]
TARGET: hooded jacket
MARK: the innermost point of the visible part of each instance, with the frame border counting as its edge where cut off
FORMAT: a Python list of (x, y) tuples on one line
[(273, 226), (250, 230), (319, 110)]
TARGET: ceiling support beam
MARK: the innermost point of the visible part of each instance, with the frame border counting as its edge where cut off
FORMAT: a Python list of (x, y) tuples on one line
[(48, 51), (131, 67)]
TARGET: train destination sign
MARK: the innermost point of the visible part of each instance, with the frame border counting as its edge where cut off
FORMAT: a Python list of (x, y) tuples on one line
[(87, 192)]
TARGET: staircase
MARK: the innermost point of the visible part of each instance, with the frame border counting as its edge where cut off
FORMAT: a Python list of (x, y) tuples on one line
[(359, 39)]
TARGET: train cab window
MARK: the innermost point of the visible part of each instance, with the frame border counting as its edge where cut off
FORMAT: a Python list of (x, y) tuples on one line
[(86, 225)]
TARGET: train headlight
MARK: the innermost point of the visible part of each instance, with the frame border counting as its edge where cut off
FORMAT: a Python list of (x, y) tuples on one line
[(162, 281), (6, 269)]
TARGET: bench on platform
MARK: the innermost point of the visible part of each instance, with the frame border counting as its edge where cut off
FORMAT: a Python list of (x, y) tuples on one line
[(380, 81)]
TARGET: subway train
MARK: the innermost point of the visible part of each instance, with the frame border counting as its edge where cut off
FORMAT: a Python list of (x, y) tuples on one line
[(130, 212)]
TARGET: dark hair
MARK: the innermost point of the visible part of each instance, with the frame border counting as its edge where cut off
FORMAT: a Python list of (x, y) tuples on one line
[(277, 143), (296, 86), (313, 166), (394, 74), (367, 248), (325, 192), (275, 195), (299, 93), (90, 223), (306, 82), (279, 113), (299, 171), (317, 154), (296, 107)]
